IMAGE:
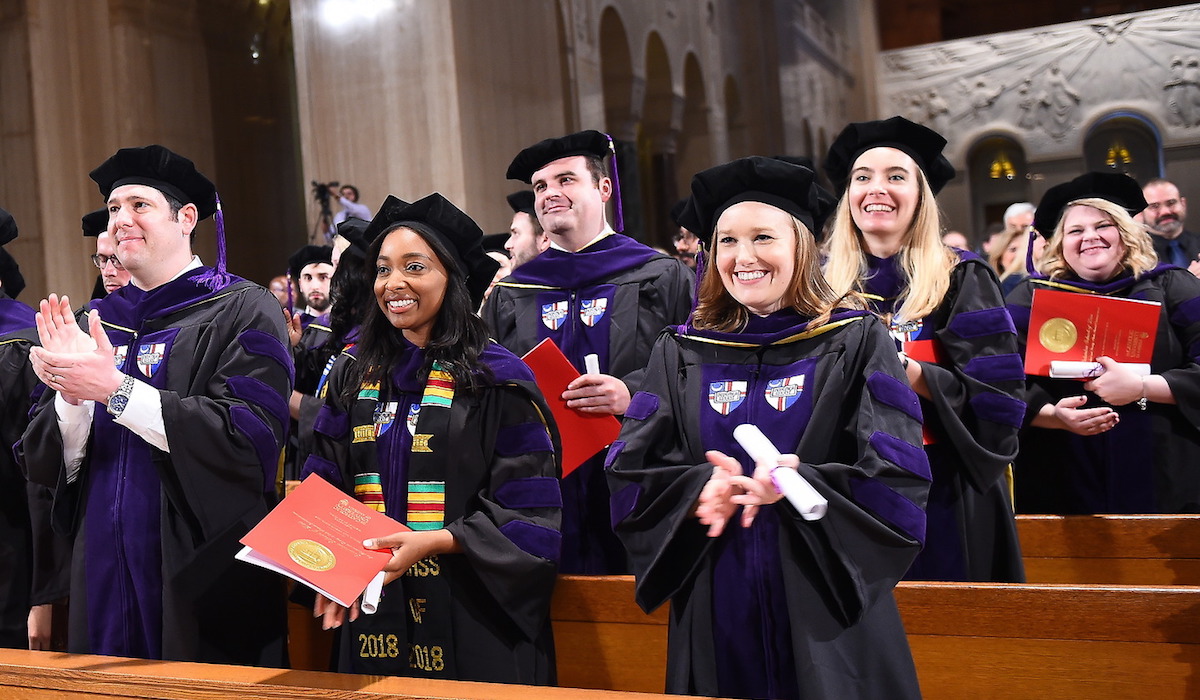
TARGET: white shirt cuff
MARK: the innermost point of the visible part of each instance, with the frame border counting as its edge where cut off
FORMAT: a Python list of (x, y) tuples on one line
[(74, 425), (143, 415)]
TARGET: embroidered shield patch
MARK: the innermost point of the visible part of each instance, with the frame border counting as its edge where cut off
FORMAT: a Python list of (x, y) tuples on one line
[(414, 410), (905, 331), (385, 415), (724, 397), (592, 310), (119, 354), (150, 356), (554, 314), (782, 393)]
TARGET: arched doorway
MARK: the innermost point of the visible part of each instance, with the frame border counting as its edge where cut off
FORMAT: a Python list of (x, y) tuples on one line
[(1124, 142), (998, 176)]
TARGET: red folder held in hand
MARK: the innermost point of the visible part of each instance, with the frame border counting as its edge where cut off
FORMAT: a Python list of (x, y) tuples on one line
[(583, 434)]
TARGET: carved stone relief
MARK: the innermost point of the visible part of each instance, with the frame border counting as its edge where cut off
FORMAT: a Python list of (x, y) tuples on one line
[(1049, 84)]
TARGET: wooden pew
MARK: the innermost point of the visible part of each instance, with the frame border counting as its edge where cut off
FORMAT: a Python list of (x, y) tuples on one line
[(1120, 549), (43, 675), (968, 640)]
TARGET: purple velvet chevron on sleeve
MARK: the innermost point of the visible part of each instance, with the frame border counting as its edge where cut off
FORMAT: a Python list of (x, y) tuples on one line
[(614, 451), (642, 406), (332, 423), (981, 322), (264, 344), (622, 503), (523, 438), (889, 505), (996, 368), (262, 438), (531, 492), (899, 452), (999, 408), (893, 392), (533, 539), (1186, 312), (322, 467), (260, 394)]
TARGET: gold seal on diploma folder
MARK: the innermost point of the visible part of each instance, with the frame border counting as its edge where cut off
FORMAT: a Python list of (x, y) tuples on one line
[(311, 555), (1058, 335)]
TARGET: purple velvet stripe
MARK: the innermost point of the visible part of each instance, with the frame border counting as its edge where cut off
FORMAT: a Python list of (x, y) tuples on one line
[(1019, 315), (973, 324), (999, 408), (534, 539), (622, 503), (263, 439), (642, 406), (264, 344), (532, 492), (891, 506), (332, 423), (890, 391), (996, 368), (904, 455), (1186, 313), (614, 451), (523, 439), (324, 468), (260, 394)]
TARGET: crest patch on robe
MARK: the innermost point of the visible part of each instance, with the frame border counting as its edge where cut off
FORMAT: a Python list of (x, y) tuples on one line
[(592, 310), (385, 415), (119, 354), (724, 397), (782, 393), (554, 314), (150, 356), (414, 410), (905, 331)]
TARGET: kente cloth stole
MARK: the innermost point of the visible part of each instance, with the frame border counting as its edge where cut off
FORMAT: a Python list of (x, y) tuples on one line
[(417, 606)]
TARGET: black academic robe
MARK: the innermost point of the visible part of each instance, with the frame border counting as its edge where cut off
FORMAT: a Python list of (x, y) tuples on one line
[(155, 533), (610, 299), (787, 608), (16, 547), (485, 612), (1149, 462), (311, 357), (968, 353)]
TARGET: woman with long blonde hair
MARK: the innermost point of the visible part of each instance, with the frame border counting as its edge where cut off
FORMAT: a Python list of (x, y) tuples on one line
[(954, 337), (1120, 442), (764, 602)]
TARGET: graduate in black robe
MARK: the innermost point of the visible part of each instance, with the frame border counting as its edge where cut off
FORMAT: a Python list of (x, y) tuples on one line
[(593, 291), (1096, 447), (174, 404), (432, 423), (777, 606), (958, 344)]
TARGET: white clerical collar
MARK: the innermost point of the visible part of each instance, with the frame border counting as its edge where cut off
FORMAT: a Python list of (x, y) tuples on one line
[(192, 265), (608, 231)]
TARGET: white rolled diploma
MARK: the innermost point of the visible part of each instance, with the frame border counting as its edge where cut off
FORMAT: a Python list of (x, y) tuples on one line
[(804, 498), (1063, 369), (591, 364), (369, 601)]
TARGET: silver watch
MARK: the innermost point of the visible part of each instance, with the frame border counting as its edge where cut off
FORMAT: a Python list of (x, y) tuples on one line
[(119, 399)]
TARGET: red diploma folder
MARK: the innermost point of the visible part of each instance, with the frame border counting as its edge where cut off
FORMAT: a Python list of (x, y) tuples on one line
[(315, 536), (583, 434), (1065, 326)]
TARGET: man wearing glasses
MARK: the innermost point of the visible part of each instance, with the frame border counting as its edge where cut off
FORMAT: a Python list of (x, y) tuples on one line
[(1166, 217), (113, 274)]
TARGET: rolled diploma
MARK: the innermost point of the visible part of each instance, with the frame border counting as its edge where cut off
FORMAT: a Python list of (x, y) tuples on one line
[(1064, 369), (369, 602), (803, 497), (591, 364)]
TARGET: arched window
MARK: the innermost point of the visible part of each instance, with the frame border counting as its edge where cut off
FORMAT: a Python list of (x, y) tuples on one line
[(998, 176), (1124, 142)]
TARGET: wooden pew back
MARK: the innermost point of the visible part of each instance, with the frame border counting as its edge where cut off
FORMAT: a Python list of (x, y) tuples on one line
[(1119, 549)]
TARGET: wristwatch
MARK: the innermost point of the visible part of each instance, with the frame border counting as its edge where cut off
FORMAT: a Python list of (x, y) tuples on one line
[(119, 399)]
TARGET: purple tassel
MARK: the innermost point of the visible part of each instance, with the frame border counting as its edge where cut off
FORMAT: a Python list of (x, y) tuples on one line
[(217, 278), (1029, 252), (618, 213), (291, 307)]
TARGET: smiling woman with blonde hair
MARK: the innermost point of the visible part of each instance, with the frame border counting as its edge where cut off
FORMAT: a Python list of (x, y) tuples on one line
[(954, 337), (1118, 443)]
